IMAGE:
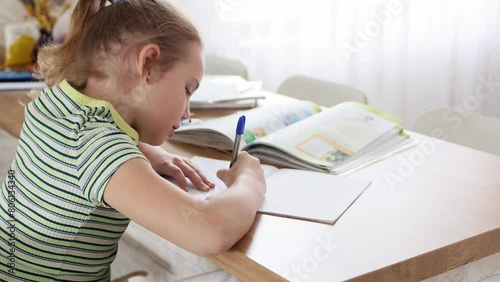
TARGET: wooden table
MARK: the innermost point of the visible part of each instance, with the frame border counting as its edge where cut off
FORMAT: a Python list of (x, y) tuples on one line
[(428, 210)]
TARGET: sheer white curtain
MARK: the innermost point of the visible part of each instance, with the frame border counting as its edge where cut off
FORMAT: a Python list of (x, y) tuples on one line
[(408, 56)]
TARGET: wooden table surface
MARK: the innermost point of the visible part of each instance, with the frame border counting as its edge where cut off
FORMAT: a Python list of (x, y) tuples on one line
[(428, 210)]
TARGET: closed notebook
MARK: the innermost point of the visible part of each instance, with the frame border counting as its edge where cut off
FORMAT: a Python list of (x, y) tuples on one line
[(226, 92), (300, 194)]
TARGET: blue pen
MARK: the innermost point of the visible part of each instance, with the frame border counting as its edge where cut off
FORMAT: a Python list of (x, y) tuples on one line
[(237, 139)]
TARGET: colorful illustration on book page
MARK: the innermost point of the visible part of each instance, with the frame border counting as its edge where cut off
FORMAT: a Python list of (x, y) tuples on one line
[(321, 148), (276, 119)]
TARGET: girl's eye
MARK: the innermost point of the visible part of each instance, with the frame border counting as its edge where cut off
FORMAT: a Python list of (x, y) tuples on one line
[(187, 91)]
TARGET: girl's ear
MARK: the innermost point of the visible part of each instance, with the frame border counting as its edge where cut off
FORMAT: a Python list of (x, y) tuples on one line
[(147, 55)]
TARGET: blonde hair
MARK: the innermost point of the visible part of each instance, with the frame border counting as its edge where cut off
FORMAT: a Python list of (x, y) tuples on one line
[(96, 30)]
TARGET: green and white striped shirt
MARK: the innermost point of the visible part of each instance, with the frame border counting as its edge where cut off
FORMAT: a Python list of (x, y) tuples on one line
[(54, 224)]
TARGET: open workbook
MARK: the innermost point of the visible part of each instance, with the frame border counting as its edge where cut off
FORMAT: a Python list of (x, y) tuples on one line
[(293, 193), (299, 134)]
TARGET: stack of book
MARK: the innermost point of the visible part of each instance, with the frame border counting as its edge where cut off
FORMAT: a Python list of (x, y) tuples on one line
[(19, 80), (226, 92)]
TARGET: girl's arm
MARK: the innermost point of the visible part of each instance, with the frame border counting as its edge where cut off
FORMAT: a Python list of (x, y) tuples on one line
[(204, 227)]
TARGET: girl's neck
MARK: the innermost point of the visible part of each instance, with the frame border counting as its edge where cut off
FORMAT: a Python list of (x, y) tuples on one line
[(104, 89)]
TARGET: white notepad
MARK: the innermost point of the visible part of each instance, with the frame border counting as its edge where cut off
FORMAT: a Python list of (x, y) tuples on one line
[(294, 193)]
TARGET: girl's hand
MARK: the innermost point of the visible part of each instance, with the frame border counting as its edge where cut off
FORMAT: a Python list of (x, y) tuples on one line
[(245, 166), (175, 166)]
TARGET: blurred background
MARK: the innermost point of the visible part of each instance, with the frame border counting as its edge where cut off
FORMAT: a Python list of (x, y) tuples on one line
[(408, 56)]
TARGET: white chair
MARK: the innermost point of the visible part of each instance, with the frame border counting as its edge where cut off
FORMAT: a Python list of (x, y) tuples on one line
[(321, 92), (467, 129), (224, 66)]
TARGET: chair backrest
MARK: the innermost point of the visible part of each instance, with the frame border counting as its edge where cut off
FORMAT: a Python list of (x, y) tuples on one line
[(218, 65), (464, 128), (321, 92)]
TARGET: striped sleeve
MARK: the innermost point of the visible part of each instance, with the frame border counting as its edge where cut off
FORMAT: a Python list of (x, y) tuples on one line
[(101, 151)]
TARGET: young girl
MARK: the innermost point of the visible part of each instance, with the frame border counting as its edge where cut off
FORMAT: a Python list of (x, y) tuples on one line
[(86, 162)]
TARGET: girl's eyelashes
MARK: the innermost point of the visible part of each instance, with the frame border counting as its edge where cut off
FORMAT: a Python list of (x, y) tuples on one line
[(187, 91)]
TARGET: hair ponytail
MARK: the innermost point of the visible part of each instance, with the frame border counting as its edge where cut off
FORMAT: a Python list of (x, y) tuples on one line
[(54, 62), (101, 37)]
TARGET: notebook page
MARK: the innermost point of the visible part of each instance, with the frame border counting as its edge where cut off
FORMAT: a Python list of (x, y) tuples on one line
[(293, 193), (310, 195)]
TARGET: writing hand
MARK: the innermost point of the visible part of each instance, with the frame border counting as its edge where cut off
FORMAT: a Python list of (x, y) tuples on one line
[(246, 169)]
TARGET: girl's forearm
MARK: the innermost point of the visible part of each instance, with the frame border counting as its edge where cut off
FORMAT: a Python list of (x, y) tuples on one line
[(231, 214)]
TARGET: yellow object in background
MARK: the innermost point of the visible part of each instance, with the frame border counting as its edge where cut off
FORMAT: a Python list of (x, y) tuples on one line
[(19, 53), (20, 40)]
